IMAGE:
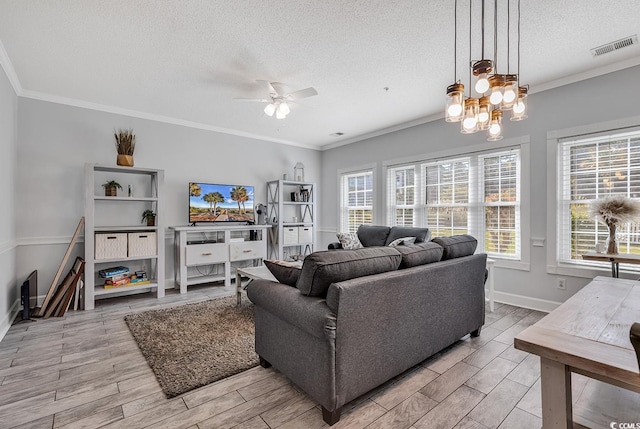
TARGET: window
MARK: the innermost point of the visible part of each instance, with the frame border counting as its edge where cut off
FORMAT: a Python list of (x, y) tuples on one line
[(591, 168), (356, 200), (477, 194)]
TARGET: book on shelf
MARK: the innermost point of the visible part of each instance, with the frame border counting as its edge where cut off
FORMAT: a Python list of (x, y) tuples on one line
[(113, 271), (124, 279), (138, 283)]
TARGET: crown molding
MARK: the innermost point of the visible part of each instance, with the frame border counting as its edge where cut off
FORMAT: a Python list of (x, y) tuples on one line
[(41, 96), (7, 66)]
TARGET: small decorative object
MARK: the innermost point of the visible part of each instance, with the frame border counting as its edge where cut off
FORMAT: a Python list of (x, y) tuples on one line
[(125, 145), (111, 188), (304, 195), (285, 176), (613, 211), (600, 248), (150, 217), (298, 172)]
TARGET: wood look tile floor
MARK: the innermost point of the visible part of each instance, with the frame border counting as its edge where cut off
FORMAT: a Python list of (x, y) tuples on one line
[(85, 371)]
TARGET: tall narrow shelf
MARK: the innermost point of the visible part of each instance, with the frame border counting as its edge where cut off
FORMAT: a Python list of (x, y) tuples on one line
[(291, 214), (122, 214)]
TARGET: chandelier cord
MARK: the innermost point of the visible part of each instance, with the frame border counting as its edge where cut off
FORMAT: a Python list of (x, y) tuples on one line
[(470, 49), (518, 43), (508, 37), (455, 41), (482, 57), (495, 35)]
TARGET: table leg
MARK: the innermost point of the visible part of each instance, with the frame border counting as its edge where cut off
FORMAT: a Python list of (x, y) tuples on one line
[(557, 410), (615, 269), (238, 289), (491, 287)]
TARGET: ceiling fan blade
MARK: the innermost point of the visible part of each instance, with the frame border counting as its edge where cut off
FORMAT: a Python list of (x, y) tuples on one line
[(303, 93), (281, 88), (266, 85), (263, 100)]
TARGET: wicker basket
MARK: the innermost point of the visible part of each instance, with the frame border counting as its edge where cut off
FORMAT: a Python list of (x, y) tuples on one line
[(110, 246), (142, 244)]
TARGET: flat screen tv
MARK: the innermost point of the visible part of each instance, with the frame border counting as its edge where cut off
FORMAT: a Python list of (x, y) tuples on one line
[(211, 202)]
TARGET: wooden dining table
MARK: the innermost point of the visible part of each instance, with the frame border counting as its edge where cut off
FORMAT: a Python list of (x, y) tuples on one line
[(589, 335)]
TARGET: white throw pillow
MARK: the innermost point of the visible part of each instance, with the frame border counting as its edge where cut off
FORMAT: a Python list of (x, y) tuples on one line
[(349, 240), (404, 241)]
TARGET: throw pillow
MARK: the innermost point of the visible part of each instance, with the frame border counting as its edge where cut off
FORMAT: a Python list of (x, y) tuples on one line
[(320, 269), (285, 272), (457, 246), (404, 241), (349, 240), (421, 234)]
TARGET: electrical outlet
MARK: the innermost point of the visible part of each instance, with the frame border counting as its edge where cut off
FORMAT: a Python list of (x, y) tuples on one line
[(561, 284)]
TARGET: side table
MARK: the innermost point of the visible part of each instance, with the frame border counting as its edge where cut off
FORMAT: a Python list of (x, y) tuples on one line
[(253, 273), (625, 258)]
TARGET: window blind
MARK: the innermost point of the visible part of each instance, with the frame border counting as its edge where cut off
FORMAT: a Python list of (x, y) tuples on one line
[(356, 200), (590, 168)]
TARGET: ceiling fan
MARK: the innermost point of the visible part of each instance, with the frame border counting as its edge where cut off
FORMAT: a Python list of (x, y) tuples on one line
[(279, 98)]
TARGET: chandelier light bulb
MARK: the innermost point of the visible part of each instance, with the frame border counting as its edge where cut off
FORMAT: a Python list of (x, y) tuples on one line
[(495, 128), (496, 95), (518, 107), (455, 103), (482, 85), (519, 111), (270, 109), (470, 119), (469, 123), (484, 113), (509, 94)]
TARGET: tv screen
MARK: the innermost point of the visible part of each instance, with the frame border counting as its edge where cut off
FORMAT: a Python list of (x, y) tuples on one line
[(210, 202)]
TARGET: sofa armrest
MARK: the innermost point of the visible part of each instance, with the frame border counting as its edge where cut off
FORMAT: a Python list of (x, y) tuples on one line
[(334, 246), (310, 314)]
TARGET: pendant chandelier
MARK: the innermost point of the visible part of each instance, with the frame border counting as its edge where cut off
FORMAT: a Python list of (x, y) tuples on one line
[(494, 93)]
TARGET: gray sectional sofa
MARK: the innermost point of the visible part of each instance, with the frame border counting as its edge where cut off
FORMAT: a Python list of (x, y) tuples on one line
[(350, 320)]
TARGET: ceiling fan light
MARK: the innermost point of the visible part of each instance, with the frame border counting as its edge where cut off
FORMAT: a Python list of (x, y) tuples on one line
[(284, 108), (270, 109), (280, 115)]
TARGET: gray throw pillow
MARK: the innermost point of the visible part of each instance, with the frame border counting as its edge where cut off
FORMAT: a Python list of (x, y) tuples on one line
[(349, 240), (457, 246), (285, 272), (421, 234), (320, 269), (373, 235), (419, 254)]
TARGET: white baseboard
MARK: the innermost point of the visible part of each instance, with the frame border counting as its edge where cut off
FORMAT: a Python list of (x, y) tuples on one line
[(5, 324), (526, 302)]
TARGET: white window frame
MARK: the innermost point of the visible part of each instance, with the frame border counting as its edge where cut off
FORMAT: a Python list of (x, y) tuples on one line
[(554, 194), (368, 168), (477, 215)]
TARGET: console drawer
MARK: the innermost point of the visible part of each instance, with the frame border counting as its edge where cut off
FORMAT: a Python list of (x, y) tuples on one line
[(246, 250), (201, 254)]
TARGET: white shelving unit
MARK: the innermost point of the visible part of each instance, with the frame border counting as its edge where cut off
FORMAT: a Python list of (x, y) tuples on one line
[(204, 254), (292, 218), (122, 214)]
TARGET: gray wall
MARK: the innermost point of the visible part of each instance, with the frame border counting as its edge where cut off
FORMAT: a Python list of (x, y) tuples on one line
[(8, 146), (57, 140), (595, 100)]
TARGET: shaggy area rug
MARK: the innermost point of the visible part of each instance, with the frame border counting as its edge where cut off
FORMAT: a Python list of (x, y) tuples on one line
[(196, 344)]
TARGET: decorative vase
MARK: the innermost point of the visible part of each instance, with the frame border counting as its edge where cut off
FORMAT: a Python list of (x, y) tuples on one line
[(612, 241), (125, 160)]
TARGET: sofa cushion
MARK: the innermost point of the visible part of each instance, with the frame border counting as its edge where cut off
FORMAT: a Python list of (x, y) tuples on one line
[(457, 246), (320, 269), (421, 234), (373, 235), (285, 272), (420, 254), (349, 240)]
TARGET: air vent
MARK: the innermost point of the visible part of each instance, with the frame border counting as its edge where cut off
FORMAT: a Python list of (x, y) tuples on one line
[(338, 134), (614, 46)]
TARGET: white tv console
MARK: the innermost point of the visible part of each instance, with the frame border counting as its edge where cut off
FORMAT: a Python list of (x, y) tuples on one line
[(210, 248)]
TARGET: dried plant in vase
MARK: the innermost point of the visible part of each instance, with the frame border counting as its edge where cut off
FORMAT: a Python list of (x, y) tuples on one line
[(125, 145), (613, 211)]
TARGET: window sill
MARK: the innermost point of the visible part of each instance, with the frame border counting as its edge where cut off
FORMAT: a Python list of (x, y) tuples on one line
[(510, 264)]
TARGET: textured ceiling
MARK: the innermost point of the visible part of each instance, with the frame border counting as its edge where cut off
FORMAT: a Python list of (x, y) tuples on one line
[(188, 59)]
